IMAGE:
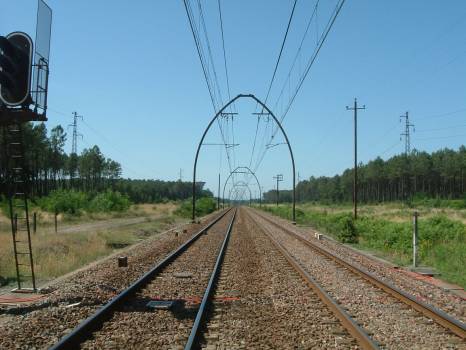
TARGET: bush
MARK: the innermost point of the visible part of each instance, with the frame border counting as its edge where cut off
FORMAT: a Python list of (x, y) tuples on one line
[(204, 206), (109, 201), (347, 232), (74, 202), (64, 201)]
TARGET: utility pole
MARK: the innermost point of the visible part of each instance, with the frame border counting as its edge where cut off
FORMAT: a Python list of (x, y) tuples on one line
[(406, 187), (299, 179), (218, 193), (355, 108), (406, 134), (279, 178), (181, 175), (74, 146)]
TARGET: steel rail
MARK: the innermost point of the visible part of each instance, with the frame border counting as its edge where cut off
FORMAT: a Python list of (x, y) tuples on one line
[(442, 318), (358, 333), (200, 316), (93, 322)]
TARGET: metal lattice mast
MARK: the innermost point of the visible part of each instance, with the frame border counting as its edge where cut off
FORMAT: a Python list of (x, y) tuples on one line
[(74, 146), (406, 134)]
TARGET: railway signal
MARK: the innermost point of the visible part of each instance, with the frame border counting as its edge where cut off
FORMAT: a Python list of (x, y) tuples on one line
[(15, 69)]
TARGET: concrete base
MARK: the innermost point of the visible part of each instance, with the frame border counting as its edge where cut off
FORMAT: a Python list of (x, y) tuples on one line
[(425, 271), (25, 290)]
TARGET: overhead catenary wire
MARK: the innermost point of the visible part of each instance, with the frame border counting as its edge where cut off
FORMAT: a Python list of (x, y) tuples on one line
[(314, 56), (280, 53), (311, 61), (275, 71), (298, 52), (205, 69), (224, 51), (209, 49)]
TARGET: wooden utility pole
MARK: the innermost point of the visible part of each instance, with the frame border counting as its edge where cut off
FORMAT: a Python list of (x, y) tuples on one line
[(355, 173), (279, 178), (218, 193)]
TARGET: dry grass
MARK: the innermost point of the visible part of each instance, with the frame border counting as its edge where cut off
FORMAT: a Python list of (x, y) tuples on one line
[(46, 219), (395, 212), (58, 254)]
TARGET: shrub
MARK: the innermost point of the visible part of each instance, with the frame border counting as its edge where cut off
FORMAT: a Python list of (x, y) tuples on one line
[(109, 201), (64, 201), (347, 232), (204, 206)]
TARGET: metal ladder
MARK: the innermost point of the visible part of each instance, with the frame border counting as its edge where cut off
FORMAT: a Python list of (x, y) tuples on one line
[(18, 204)]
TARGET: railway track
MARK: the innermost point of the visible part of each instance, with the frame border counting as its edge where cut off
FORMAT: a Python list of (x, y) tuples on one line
[(266, 301), (125, 322), (129, 321), (378, 306), (246, 281)]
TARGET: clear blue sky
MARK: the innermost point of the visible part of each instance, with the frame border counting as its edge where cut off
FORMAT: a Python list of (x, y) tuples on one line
[(131, 69)]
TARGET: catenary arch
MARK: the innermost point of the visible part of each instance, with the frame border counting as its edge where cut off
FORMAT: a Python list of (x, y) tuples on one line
[(250, 96), (236, 171)]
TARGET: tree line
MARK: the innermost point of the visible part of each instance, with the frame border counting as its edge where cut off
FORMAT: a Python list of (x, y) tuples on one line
[(49, 167), (440, 174)]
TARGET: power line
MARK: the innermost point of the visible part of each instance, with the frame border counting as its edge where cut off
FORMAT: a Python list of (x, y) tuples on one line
[(273, 75), (205, 69), (443, 114), (128, 169), (224, 52), (390, 148), (311, 61), (298, 52), (201, 15), (281, 51), (189, 14), (440, 137), (445, 128), (314, 55), (209, 50)]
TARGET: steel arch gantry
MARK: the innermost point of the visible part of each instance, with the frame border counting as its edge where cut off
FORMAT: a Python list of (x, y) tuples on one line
[(235, 171), (251, 96), (240, 184), (238, 195)]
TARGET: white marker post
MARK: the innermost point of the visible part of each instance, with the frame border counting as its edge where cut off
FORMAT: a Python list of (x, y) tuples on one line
[(415, 239)]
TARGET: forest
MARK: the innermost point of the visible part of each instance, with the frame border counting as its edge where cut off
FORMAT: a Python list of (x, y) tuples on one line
[(50, 168), (439, 175)]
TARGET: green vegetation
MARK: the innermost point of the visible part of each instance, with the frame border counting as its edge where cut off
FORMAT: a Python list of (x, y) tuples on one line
[(417, 176), (204, 206), (74, 202), (90, 172), (442, 240)]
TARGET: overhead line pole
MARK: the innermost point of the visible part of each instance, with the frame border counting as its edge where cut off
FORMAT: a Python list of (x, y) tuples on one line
[(278, 177), (218, 193), (355, 108)]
